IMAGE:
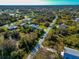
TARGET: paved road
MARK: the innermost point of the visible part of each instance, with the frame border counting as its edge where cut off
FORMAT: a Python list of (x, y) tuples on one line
[(49, 49), (38, 45)]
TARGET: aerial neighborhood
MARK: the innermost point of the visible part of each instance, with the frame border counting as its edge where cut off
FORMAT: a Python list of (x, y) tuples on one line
[(39, 32)]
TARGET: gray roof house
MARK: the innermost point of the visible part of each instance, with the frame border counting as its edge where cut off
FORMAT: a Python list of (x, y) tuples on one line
[(77, 19)]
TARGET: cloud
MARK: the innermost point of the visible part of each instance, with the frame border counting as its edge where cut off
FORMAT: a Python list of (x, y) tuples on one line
[(39, 2), (27, 2)]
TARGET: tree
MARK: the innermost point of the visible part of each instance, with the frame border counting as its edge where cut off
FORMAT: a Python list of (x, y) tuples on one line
[(72, 41), (28, 41), (9, 46)]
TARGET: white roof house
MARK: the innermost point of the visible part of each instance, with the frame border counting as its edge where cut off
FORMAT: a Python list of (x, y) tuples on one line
[(70, 53)]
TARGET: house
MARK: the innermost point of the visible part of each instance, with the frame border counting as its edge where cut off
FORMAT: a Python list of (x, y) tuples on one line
[(34, 26), (24, 20), (62, 26), (77, 19), (12, 27), (22, 24), (11, 14), (71, 53), (28, 19)]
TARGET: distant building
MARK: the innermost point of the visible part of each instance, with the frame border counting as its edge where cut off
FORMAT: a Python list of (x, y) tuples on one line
[(71, 53), (12, 27), (28, 19), (62, 26), (77, 19), (24, 19), (22, 24), (11, 14), (33, 25)]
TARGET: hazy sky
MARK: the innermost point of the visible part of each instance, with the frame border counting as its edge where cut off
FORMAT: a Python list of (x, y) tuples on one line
[(39, 2)]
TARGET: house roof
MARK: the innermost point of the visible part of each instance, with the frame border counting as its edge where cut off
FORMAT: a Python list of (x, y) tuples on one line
[(12, 27), (71, 51), (77, 20), (33, 25), (22, 24)]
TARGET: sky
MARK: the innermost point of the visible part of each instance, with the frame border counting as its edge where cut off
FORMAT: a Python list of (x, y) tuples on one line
[(39, 2)]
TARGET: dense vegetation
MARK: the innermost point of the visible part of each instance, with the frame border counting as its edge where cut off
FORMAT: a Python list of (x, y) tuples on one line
[(65, 32), (19, 35), (44, 54), (21, 29)]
